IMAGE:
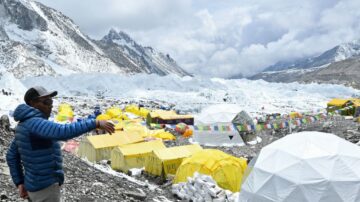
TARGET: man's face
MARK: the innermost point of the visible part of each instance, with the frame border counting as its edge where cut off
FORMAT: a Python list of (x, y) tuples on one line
[(44, 104)]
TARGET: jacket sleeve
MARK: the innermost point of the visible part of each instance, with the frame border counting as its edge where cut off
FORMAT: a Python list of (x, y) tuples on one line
[(14, 163), (50, 130)]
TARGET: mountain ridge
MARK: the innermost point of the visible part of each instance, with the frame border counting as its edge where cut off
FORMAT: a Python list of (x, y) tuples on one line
[(124, 51), (339, 65), (335, 54), (37, 40)]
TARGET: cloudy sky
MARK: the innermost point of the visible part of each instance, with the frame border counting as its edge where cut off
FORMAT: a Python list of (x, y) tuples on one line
[(222, 38)]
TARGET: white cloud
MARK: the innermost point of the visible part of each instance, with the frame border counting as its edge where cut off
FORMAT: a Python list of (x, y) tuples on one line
[(96, 17), (223, 38)]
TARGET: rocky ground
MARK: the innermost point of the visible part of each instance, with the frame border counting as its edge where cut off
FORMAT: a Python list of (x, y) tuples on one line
[(85, 182)]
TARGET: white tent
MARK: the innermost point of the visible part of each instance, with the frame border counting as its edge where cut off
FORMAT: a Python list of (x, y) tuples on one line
[(217, 135), (306, 166), (219, 113)]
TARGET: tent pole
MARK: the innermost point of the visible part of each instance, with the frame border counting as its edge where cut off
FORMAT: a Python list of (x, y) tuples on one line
[(290, 129)]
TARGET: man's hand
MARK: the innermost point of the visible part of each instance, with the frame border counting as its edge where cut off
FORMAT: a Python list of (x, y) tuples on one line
[(22, 191), (106, 126)]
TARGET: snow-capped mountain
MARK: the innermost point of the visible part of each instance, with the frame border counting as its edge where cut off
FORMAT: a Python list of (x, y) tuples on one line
[(338, 53), (339, 65), (125, 52), (345, 72), (37, 40)]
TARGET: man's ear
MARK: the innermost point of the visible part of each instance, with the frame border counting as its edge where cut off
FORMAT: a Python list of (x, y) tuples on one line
[(32, 103)]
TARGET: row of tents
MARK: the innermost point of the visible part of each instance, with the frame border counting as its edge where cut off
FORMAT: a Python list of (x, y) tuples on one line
[(133, 146), (129, 147), (129, 150), (298, 167), (226, 124), (140, 119), (222, 113)]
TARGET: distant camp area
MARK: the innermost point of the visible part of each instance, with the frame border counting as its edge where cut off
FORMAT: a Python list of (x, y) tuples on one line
[(182, 148)]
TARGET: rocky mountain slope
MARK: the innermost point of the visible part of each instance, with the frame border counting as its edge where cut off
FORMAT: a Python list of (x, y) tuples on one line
[(340, 65), (336, 54), (125, 52), (346, 72), (37, 40)]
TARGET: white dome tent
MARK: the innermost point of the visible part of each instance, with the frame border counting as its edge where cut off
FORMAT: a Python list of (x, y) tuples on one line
[(218, 113), (306, 166), (216, 117)]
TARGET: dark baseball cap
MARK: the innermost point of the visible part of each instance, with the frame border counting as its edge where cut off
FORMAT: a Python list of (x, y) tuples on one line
[(37, 92)]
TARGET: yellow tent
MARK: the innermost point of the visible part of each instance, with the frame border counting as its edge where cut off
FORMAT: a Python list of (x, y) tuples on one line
[(103, 117), (133, 155), (98, 147), (121, 124), (139, 111), (356, 102), (162, 134), (168, 117), (65, 106), (225, 169), (162, 162), (65, 113), (144, 131), (132, 127), (336, 104), (143, 112), (114, 112), (294, 115), (132, 108)]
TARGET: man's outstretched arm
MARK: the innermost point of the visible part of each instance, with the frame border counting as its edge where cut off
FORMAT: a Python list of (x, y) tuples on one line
[(50, 130)]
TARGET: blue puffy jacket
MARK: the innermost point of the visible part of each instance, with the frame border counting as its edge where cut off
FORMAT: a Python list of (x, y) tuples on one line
[(35, 148)]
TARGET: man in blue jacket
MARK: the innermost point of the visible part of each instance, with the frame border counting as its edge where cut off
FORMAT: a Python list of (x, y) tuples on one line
[(34, 156)]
